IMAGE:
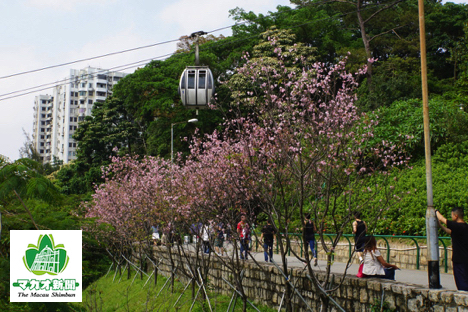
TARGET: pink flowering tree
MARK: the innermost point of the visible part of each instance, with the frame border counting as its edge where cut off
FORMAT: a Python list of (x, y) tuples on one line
[(308, 151)]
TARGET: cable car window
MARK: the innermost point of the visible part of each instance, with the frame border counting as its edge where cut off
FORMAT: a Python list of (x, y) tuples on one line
[(210, 82), (201, 79), (191, 80), (182, 84)]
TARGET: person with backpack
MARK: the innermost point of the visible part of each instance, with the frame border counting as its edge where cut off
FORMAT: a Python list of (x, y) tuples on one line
[(309, 231), (268, 236)]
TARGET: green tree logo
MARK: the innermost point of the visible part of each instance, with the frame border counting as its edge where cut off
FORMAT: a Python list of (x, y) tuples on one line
[(46, 257)]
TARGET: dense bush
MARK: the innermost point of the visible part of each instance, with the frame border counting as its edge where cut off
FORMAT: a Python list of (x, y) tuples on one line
[(450, 177)]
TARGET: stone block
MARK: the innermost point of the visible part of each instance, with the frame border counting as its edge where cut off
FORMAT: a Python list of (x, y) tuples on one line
[(414, 305), (363, 297), (460, 299), (374, 285), (446, 297)]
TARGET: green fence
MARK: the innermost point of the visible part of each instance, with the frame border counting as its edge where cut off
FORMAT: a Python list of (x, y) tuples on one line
[(350, 239)]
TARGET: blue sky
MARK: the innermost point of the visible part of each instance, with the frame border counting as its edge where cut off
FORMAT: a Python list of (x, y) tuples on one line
[(40, 33)]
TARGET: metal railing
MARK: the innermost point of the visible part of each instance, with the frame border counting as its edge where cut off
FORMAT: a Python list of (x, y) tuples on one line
[(350, 237)]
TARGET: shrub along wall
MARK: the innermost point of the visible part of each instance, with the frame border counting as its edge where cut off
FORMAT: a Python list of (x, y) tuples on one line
[(354, 294)]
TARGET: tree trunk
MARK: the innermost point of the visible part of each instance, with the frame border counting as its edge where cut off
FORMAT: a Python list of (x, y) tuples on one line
[(365, 40)]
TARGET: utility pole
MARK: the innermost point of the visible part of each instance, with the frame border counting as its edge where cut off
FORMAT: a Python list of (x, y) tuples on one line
[(431, 221)]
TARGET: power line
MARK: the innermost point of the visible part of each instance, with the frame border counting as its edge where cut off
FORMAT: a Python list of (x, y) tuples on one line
[(53, 84), (149, 45), (67, 80), (89, 58)]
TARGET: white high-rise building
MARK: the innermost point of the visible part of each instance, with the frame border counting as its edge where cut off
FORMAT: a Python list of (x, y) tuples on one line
[(42, 127), (72, 101)]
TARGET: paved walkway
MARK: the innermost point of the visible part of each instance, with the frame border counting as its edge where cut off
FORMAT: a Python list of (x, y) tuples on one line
[(414, 277)]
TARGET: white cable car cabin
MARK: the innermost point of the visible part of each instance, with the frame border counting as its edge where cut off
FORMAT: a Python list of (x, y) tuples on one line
[(196, 86)]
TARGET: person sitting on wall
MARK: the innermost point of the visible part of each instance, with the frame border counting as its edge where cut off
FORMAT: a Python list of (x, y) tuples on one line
[(374, 263)]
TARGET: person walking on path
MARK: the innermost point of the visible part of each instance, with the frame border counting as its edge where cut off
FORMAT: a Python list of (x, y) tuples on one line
[(268, 237), (309, 231), (206, 238), (243, 230), (458, 230), (374, 263), (359, 231), (219, 240)]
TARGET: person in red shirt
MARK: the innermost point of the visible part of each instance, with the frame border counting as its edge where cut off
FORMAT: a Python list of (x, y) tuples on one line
[(243, 230), (458, 230)]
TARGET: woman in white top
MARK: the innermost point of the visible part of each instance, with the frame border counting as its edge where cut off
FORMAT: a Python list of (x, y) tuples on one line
[(374, 263)]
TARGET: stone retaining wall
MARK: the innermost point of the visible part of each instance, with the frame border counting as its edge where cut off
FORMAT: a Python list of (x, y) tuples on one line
[(266, 287)]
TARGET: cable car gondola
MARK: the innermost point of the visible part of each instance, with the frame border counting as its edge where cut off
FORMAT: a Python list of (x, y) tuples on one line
[(196, 87)]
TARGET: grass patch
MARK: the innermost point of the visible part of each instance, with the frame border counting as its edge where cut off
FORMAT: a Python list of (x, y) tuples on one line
[(108, 295)]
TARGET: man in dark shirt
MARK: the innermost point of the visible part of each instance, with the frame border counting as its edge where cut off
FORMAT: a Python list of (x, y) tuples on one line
[(268, 235), (458, 230)]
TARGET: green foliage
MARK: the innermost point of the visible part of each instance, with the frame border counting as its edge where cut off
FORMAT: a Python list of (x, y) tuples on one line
[(23, 179), (395, 79), (402, 122), (449, 174), (108, 295), (379, 306)]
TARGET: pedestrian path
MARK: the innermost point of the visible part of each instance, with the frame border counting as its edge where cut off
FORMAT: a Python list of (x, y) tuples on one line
[(414, 277)]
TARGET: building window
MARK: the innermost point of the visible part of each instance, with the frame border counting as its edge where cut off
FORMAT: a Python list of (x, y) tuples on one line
[(42, 143), (71, 102), (42, 129), (43, 123), (101, 93), (43, 115), (116, 78), (104, 77), (42, 137), (82, 93), (43, 108), (41, 151), (90, 93), (90, 101)]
